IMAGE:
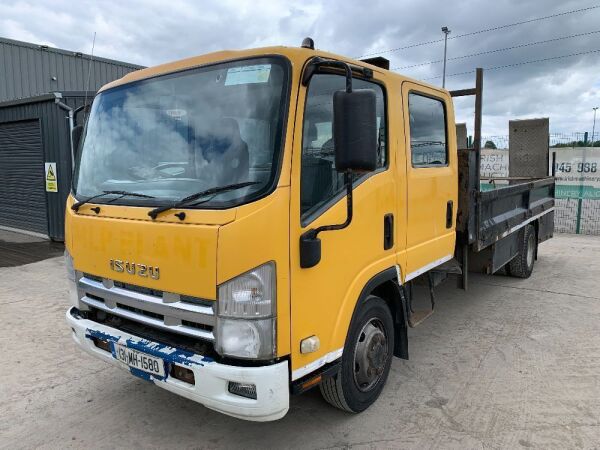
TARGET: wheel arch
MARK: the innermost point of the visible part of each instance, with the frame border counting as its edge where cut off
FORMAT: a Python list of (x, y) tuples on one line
[(386, 285)]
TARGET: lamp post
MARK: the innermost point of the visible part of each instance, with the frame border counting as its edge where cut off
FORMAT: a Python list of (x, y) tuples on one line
[(446, 32), (594, 126)]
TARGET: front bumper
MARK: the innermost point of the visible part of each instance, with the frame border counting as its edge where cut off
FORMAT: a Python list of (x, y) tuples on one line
[(212, 378)]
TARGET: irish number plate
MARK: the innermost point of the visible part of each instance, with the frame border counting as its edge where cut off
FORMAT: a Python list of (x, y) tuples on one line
[(139, 360)]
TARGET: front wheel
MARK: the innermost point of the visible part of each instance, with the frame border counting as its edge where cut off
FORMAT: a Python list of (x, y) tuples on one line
[(366, 359)]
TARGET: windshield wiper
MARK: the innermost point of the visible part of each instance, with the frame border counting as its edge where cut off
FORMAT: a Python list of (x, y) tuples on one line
[(75, 207), (190, 198)]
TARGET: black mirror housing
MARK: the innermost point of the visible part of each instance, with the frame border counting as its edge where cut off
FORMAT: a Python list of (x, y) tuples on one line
[(310, 250), (76, 137), (355, 130)]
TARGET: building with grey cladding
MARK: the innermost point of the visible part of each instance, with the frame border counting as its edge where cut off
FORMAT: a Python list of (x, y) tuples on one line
[(38, 87), (27, 70)]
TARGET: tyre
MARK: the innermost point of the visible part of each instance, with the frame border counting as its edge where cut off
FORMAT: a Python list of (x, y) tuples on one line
[(521, 265), (366, 359)]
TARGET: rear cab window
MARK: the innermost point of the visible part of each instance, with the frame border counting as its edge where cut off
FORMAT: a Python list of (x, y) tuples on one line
[(428, 132)]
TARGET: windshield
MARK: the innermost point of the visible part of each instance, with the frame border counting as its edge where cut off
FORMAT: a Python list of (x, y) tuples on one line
[(175, 135)]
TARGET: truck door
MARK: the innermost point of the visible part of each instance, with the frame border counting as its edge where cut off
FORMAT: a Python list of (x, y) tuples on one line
[(323, 297), (431, 177)]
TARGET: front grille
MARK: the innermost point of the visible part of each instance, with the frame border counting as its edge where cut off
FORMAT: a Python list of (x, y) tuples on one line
[(141, 311), (185, 315), (93, 277), (139, 289)]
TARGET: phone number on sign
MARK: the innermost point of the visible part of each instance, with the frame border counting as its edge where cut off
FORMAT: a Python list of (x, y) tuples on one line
[(567, 167)]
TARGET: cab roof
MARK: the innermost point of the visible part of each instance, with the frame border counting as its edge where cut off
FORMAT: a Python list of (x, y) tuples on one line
[(297, 56)]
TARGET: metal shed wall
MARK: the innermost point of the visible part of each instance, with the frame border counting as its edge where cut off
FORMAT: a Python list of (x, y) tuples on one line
[(26, 70), (54, 128)]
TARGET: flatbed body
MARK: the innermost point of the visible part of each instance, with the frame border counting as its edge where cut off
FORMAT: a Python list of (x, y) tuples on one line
[(491, 211)]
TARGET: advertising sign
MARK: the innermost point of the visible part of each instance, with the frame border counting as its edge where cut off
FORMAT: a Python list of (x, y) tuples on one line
[(577, 172), (494, 163)]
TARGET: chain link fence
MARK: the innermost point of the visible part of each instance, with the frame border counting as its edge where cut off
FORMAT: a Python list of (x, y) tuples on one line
[(577, 171), (574, 140), (557, 140)]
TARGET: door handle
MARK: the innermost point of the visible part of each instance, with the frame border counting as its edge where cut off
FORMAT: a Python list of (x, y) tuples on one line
[(449, 210), (388, 231)]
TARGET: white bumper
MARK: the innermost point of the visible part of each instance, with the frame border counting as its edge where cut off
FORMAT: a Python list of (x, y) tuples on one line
[(212, 378)]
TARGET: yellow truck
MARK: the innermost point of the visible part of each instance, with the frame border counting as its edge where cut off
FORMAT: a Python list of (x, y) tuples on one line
[(246, 225)]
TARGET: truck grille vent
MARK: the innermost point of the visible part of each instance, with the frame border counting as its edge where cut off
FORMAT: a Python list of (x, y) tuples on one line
[(153, 292), (95, 297), (139, 289), (141, 311), (181, 314), (93, 277)]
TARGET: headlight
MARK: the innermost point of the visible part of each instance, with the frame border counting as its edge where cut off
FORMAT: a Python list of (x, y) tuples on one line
[(246, 315), (71, 276)]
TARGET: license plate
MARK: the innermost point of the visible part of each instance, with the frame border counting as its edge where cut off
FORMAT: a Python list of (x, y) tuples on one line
[(139, 360)]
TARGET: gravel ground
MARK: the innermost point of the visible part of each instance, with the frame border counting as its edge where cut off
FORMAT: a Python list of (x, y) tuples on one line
[(508, 364)]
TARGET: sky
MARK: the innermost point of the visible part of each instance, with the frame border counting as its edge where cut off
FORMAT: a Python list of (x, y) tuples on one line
[(157, 31)]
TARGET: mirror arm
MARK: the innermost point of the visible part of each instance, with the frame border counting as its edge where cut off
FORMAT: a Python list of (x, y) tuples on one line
[(348, 71), (348, 182), (310, 244), (348, 75), (320, 65)]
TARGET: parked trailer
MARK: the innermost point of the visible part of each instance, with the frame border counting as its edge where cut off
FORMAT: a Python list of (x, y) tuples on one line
[(247, 225)]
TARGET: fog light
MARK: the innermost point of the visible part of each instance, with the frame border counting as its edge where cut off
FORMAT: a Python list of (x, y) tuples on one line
[(243, 389), (183, 373), (250, 339), (102, 345)]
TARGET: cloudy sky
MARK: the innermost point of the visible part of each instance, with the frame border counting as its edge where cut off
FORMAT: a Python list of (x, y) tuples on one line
[(156, 31)]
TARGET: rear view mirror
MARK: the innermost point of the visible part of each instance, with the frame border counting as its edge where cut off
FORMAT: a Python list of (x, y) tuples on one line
[(76, 137), (355, 130)]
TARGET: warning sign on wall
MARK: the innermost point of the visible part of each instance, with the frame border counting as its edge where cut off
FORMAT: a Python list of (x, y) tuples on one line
[(51, 177)]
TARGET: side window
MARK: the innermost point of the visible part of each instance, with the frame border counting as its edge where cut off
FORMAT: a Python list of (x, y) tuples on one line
[(319, 181), (428, 145)]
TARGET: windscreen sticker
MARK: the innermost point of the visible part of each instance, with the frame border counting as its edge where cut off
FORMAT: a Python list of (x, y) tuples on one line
[(248, 74)]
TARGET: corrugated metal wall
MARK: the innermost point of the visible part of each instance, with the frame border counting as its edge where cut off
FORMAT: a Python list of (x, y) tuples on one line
[(54, 128), (27, 70), (22, 196)]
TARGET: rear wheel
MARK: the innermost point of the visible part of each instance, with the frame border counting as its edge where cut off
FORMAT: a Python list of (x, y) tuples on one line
[(366, 359), (521, 266)]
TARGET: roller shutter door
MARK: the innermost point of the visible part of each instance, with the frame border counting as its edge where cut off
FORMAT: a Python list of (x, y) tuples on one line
[(22, 187)]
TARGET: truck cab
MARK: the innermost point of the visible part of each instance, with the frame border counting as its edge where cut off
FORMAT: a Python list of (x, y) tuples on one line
[(216, 248)]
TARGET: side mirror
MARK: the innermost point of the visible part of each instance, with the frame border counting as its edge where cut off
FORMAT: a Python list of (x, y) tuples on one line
[(355, 130), (76, 137)]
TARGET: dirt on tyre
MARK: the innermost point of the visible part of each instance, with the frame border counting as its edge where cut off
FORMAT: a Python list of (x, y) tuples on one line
[(521, 266), (366, 359)]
